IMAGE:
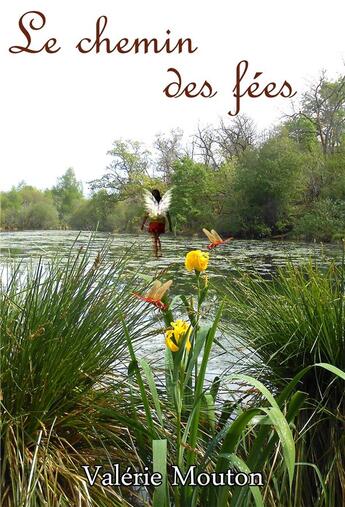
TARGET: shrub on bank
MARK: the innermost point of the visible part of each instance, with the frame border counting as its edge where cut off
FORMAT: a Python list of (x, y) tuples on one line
[(325, 221)]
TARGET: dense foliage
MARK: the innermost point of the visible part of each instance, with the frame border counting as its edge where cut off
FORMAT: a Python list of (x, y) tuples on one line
[(289, 181)]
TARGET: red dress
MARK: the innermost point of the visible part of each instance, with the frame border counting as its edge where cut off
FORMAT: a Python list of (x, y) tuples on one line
[(157, 227)]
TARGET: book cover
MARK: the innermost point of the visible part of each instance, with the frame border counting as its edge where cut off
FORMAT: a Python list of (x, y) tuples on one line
[(172, 254)]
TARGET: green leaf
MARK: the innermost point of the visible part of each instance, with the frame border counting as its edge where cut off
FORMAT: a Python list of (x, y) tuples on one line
[(288, 445), (278, 421), (319, 476), (199, 341), (332, 369), (219, 495), (215, 387), (159, 452), (241, 466), (210, 411), (152, 386), (200, 384)]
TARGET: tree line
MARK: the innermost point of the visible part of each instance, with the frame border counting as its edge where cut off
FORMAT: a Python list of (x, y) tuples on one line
[(285, 182)]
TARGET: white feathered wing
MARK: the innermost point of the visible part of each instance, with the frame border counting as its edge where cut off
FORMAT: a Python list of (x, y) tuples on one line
[(154, 208)]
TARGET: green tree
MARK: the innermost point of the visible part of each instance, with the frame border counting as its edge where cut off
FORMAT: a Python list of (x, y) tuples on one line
[(67, 194), (25, 207), (323, 221), (94, 213), (323, 106), (126, 172), (191, 205), (334, 176), (266, 186), (303, 131)]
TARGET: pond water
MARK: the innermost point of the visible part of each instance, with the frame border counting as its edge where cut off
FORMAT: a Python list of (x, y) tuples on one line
[(255, 256)]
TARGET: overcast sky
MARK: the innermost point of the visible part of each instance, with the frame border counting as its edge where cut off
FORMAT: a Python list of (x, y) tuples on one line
[(64, 110)]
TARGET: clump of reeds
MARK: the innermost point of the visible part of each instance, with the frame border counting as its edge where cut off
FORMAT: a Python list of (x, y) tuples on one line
[(64, 394), (290, 323)]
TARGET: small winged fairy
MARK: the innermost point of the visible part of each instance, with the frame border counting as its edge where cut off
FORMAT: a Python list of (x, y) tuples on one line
[(157, 211), (156, 294), (215, 239)]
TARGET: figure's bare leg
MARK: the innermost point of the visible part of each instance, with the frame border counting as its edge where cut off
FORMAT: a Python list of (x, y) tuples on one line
[(155, 244), (159, 246)]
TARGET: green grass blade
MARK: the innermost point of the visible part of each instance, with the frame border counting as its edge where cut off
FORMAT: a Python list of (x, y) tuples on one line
[(333, 369), (200, 384), (319, 476), (285, 435), (218, 495), (136, 371)]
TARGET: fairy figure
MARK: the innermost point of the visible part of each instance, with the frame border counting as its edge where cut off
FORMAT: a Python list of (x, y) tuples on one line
[(157, 211), (215, 239), (155, 294)]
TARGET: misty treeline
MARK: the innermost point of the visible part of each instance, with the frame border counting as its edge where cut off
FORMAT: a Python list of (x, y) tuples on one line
[(285, 182)]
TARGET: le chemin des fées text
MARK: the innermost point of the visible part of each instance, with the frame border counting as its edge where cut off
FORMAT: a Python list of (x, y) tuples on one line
[(100, 42)]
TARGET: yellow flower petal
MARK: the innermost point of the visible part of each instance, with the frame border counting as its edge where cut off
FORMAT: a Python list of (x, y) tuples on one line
[(169, 333), (171, 345), (196, 260), (175, 335)]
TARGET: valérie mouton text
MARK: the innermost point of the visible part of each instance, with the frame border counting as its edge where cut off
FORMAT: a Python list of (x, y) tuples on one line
[(191, 477)]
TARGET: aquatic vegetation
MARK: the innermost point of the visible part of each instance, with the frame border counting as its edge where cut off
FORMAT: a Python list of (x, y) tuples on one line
[(200, 433), (76, 393), (63, 400)]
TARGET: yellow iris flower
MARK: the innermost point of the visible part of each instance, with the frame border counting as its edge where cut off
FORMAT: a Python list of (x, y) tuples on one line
[(197, 260), (175, 335)]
